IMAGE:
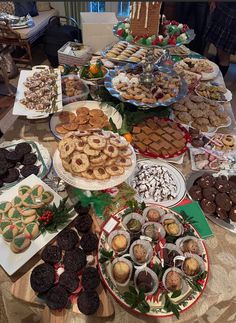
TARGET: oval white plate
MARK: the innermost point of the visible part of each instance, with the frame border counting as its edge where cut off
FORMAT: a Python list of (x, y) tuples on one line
[(228, 96), (107, 109), (178, 178)]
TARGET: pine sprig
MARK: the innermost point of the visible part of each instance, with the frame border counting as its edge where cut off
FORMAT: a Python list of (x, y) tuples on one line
[(136, 300), (169, 306)]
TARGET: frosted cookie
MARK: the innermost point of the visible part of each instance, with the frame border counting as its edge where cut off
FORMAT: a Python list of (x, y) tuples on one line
[(90, 151), (14, 214), (27, 212), (29, 201), (28, 219), (96, 142), (5, 207), (3, 224), (22, 190), (123, 161), (111, 151), (115, 170), (20, 226), (9, 232), (79, 163), (20, 243), (37, 191), (32, 229), (17, 201), (100, 173), (47, 197), (66, 147)]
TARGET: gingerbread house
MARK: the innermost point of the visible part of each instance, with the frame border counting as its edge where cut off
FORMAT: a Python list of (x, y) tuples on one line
[(145, 18)]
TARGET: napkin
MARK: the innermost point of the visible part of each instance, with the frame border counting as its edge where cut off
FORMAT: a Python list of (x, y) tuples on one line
[(194, 212)]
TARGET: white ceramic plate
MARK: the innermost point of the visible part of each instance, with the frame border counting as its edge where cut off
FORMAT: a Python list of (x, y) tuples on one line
[(20, 109), (228, 95), (88, 184), (107, 109), (178, 178), (9, 260)]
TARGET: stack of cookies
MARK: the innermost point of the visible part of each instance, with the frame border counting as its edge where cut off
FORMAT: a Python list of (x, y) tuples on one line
[(95, 154), (82, 119)]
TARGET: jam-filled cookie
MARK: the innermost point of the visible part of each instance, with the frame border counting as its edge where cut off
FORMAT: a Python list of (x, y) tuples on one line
[(89, 173), (115, 170), (66, 147), (100, 159), (123, 161), (90, 151), (100, 173), (119, 143), (111, 151), (96, 142), (79, 163)]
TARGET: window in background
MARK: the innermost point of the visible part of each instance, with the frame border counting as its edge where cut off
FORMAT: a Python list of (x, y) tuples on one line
[(97, 6), (122, 8)]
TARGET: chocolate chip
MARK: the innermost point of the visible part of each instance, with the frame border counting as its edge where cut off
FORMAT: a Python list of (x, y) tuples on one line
[(79, 162)]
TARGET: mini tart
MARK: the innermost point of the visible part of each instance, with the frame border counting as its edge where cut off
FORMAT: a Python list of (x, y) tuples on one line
[(115, 170), (9, 232), (20, 243), (14, 214), (47, 197), (37, 191), (3, 224), (23, 190), (5, 207), (17, 201), (32, 229)]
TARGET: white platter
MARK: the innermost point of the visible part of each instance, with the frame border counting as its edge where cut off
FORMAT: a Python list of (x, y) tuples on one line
[(9, 260), (20, 109), (228, 95), (178, 178), (88, 184), (107, 109)]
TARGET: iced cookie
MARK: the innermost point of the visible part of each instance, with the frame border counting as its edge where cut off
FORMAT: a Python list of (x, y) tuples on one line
[(32, 229), (29, 219), (5, 207), (27, 212), (20, 226), (9, 232), (14, 214), (37, 191), (3, 224), (47, 197), (22, 190), (20, 243), (17, 201)]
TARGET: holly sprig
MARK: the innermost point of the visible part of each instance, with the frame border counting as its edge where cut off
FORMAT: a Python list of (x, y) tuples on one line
[(169, 306), (196, 283), (105, 255), (136, 300), (134, 206)]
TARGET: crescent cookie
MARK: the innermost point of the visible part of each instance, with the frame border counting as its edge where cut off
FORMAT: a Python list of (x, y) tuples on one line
[(66, 147), (96, 142), (82, 110), (123, 152), (119, 143), (88, 174), (123, 161), (111, 151), (79, 144), (100, 173), (20, 243), (79, 163), (23, 189), (115, 170), (91, 152)]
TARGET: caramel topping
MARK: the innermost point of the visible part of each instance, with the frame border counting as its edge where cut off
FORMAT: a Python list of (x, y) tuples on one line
[(101, 171), (79, 162), (111, 149)]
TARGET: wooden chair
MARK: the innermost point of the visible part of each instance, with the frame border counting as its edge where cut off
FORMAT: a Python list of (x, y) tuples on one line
[(10, 37)]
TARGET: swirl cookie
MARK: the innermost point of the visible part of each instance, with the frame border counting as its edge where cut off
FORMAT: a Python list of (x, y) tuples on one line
[(66, 147), (79, 162)]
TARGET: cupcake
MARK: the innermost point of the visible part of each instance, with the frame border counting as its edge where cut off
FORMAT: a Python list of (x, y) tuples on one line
[(144, 281), (133, 222), (119, 243), (171, 225)]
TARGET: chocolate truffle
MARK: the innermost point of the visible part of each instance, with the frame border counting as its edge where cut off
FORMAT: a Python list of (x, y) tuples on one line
[(232, 195), (196, 192), (206, 181), (232, 214), (29, 159), (121, 271), (223, 200), (88, 302), (173, 281), (67, 239), (221, 213), (208, 206), (69, 280), (42, 278), (83, 223), (90, 278), (89, 242), (51, 254), (191, 266), (145, 282), (57, 298), (209, 193), (74, 260)]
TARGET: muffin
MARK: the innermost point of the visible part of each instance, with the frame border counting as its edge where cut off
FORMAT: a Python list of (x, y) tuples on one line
[(134, 226)]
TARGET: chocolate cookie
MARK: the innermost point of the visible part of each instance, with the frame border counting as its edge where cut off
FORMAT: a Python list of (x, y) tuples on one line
[(1, 183), (3, 152), (11, 175), (57, 298), (3, 167), (222, 185), (232, 195), (223, 200), (23, 147), (51, 254), (232, 214), (221, 213), (210, 193), (67, 239), (42, 278), (29, 170), (232, 181), (14, 156), (69, 280), (29, 159), (90, 278), (196, 192), (83, 223), (197, 142), (206, 181), (81, 210), (88, 302), (74, 260), (89, 242), (208, 207)]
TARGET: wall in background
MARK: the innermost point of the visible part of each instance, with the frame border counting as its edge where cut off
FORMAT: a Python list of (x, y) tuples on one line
[(59, 6)]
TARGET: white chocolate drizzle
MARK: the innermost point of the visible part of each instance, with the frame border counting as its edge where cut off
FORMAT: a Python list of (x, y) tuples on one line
[(139, 8), (134, 10), (146, 16)]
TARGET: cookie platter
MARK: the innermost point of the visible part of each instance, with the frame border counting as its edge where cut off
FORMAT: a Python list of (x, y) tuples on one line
[(216, 195), (86, 115), (157, 182), (214, 92), (124, 84), (20, 158), (39, 92), (142, 270), (94, 160), (12, 261)]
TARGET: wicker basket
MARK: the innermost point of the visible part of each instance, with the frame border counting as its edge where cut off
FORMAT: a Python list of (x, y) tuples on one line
[(70, 55)]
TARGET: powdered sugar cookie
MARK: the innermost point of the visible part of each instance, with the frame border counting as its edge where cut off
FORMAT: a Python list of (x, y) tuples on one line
[(100, 173), (123, 161), (96, 142), (115, 170), (79, 162), (66, 147), (111, 151), (90, 151)]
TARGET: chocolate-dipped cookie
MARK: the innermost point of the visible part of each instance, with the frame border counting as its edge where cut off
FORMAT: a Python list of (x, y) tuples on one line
[(196, 192), (208, 207), (206, 181), (67, 239), (209, 193), (232, 213), (223, 200), (42, 278), (57, 298), (29, 159)]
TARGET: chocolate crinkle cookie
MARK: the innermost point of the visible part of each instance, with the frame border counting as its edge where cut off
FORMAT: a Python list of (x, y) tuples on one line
[(11, 175), (57, 298), (88, 302), (23, 147), (51, 254), (42, 278), (74, 260), (83, 223), (69, 280), (29, 159), (90, 278), (89, 242), (29, 170), (67, 239)]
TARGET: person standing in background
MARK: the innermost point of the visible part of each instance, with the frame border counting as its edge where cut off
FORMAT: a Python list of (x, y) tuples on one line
[(221, 32)]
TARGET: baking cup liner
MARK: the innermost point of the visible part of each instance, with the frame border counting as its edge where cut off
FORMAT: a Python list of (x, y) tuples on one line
[(147, 245), (113, 234), (154, 277)]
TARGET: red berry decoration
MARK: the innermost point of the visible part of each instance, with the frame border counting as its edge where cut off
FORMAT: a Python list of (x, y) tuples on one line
[(120, 32), (172, 41)]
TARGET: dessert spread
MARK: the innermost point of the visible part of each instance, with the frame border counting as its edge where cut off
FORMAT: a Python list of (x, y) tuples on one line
[(212, 92), (195, 65)]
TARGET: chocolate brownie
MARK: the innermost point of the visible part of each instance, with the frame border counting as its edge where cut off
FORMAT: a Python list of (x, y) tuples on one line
[(67, 239), (221, 213), (209, 193), (23, 147), (42, 278), (14, 156), (90, 278), (223, 200), (51, 254), (232, 214), (208, 207), (3, 167), (89, 242), (88, 302), (11, 176), (83, 223), (29, 170), (57, 298), (232, 195), (206, 181), (29, 159), (196, 192), (69, 280), (81, 210), (74, 260)]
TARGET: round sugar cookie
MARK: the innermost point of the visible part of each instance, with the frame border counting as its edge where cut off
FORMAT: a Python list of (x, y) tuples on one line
[(32, 229), (9, 232), (20, 243), (22, 190), (14, 214)]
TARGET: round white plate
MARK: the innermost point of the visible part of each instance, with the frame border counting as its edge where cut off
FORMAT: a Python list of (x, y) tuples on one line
[(178, 178), (88, 184), (107, 109), (228, 96)]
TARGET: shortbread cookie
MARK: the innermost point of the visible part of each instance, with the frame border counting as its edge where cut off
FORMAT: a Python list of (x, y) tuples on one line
[(66, 147), (111, 151), (20, 243), (9, 232), (32, 229), (96, 142), (124, 161), (23, 189), (100, 173), (79, 163), (89, 174), (90, 151), (115, 170)]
